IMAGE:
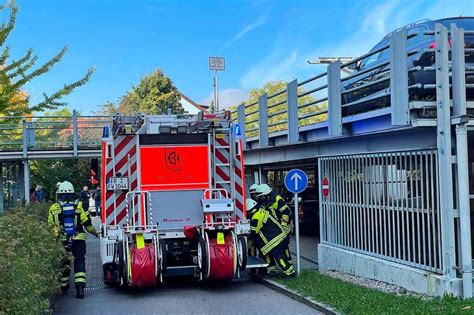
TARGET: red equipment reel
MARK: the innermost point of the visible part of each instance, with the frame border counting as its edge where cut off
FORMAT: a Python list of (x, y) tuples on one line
[(143, 264), (222, 257)]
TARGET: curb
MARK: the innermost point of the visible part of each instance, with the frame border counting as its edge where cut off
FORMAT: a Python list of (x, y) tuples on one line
[(298, 297)]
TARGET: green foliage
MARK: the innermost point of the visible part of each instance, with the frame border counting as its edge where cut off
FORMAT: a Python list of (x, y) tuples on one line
[(154, 94), (30, 261), (48, 173), (15, 74), (349, 298), (277, 113)]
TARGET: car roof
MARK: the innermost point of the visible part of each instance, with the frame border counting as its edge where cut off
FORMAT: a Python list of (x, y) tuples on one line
[(425, 21)]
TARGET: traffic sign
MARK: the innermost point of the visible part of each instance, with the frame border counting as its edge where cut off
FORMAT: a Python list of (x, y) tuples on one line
[(216, 63), (325, 186), (296, 181)]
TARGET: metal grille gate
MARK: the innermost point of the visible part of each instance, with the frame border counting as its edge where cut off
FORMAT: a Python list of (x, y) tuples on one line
[(384, 205)]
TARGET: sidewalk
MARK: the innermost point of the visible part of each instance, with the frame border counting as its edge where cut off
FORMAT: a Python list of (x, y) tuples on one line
[(308, 251)]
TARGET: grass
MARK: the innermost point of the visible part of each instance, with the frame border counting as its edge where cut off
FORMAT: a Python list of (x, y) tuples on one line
[(349, 298), (30, 261)]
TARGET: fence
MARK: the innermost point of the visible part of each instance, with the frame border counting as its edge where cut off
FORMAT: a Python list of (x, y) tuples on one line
[(384, 205)]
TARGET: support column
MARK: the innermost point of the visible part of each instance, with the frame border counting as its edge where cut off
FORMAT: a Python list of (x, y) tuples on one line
[(334, 100), (293, 130), (462, 153), (444, 152), (263, 121), (399, 79), (26, 180), (75, 133)]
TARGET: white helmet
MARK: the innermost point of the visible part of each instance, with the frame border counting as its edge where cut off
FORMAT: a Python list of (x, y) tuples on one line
[(263, 190), (65, 188), (250, 204), (253, 188)]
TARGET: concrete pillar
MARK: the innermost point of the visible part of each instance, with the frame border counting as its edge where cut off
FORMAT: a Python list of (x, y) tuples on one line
[(26, 180)]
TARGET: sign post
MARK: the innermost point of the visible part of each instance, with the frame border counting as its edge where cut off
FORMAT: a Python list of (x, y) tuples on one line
[(296, 182), (216, 64)]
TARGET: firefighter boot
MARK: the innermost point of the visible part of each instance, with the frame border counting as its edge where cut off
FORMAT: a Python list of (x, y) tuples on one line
[(64, 289), (80, 290)]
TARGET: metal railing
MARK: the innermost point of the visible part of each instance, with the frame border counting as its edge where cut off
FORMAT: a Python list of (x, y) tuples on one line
[(385, 205), (51, 133), (333, 99)]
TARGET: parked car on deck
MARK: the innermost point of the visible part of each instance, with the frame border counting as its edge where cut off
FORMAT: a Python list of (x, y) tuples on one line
[(421, 82)]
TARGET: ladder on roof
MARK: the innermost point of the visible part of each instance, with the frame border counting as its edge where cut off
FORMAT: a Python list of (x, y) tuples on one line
[(225, 167)]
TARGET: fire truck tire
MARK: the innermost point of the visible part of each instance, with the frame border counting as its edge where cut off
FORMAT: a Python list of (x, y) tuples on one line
[(164, 258), (121, 263), (203, 262), (242, 252)]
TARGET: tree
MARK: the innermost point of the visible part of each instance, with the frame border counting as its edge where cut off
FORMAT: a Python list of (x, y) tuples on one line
[(48, 173), (154, 94), (279, 120), (16, 73)]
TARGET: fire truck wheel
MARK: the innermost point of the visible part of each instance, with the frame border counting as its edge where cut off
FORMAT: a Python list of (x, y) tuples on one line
[(203, 257), (242, 252), (121, 263), (164, 261)]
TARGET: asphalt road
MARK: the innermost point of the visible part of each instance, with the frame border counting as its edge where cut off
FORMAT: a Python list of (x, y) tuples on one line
[(178, 296), (237, 297)]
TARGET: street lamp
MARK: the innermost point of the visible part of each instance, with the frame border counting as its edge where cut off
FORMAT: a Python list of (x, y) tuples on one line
[(329, 60)]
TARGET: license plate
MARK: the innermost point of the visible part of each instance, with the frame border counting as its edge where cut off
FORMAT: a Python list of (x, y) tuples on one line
[(117, 183)]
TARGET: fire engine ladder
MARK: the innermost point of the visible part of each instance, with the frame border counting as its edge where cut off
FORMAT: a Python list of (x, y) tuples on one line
[(228, 167)]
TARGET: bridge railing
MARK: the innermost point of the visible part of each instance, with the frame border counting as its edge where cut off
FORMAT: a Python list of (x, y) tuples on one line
[(331, 102), (51, 133)]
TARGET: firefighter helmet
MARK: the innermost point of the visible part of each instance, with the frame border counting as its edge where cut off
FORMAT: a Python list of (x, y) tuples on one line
[(250, 204), (263, 190), (253, 188), (65, 188)]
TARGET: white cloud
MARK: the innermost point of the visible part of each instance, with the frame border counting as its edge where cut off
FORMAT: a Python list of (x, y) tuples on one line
[(248, 28), (273, 67), (228, 97)]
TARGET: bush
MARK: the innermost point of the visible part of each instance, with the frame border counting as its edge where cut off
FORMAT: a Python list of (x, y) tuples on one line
[(30, 261)]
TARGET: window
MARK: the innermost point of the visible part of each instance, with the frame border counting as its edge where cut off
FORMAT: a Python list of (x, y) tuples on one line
[(418, 30), (373, 58)]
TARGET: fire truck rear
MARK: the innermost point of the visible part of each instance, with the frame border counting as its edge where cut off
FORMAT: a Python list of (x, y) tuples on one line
[(173, 194)]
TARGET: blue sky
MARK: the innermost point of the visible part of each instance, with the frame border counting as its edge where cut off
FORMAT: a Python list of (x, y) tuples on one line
[(261, 40)]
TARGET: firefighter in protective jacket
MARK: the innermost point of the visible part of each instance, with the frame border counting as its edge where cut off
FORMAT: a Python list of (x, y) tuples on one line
[(270, 238), (69, 222)]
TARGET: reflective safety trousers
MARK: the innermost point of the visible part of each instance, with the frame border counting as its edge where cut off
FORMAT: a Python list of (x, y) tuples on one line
[(266, 230)]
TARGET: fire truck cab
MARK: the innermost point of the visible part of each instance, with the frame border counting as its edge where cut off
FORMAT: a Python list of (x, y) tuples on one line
[(173, 199)]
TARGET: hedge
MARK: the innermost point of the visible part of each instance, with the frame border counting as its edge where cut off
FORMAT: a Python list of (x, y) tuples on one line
[(30, 261)]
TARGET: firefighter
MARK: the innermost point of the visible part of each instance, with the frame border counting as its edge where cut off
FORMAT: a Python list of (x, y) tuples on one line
[(69, 222), (276, 205), (269, 237)]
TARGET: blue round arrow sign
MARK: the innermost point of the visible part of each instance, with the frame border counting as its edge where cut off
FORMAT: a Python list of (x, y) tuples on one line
[(296, 181)]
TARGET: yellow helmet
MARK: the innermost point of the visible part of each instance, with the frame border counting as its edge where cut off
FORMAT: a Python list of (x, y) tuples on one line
[(65, 188)]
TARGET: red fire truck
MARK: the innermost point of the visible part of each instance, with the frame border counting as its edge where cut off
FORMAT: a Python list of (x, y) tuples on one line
[(173, 199)]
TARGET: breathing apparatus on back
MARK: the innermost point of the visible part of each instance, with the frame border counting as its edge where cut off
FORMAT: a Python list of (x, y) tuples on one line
[(68, 204)]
